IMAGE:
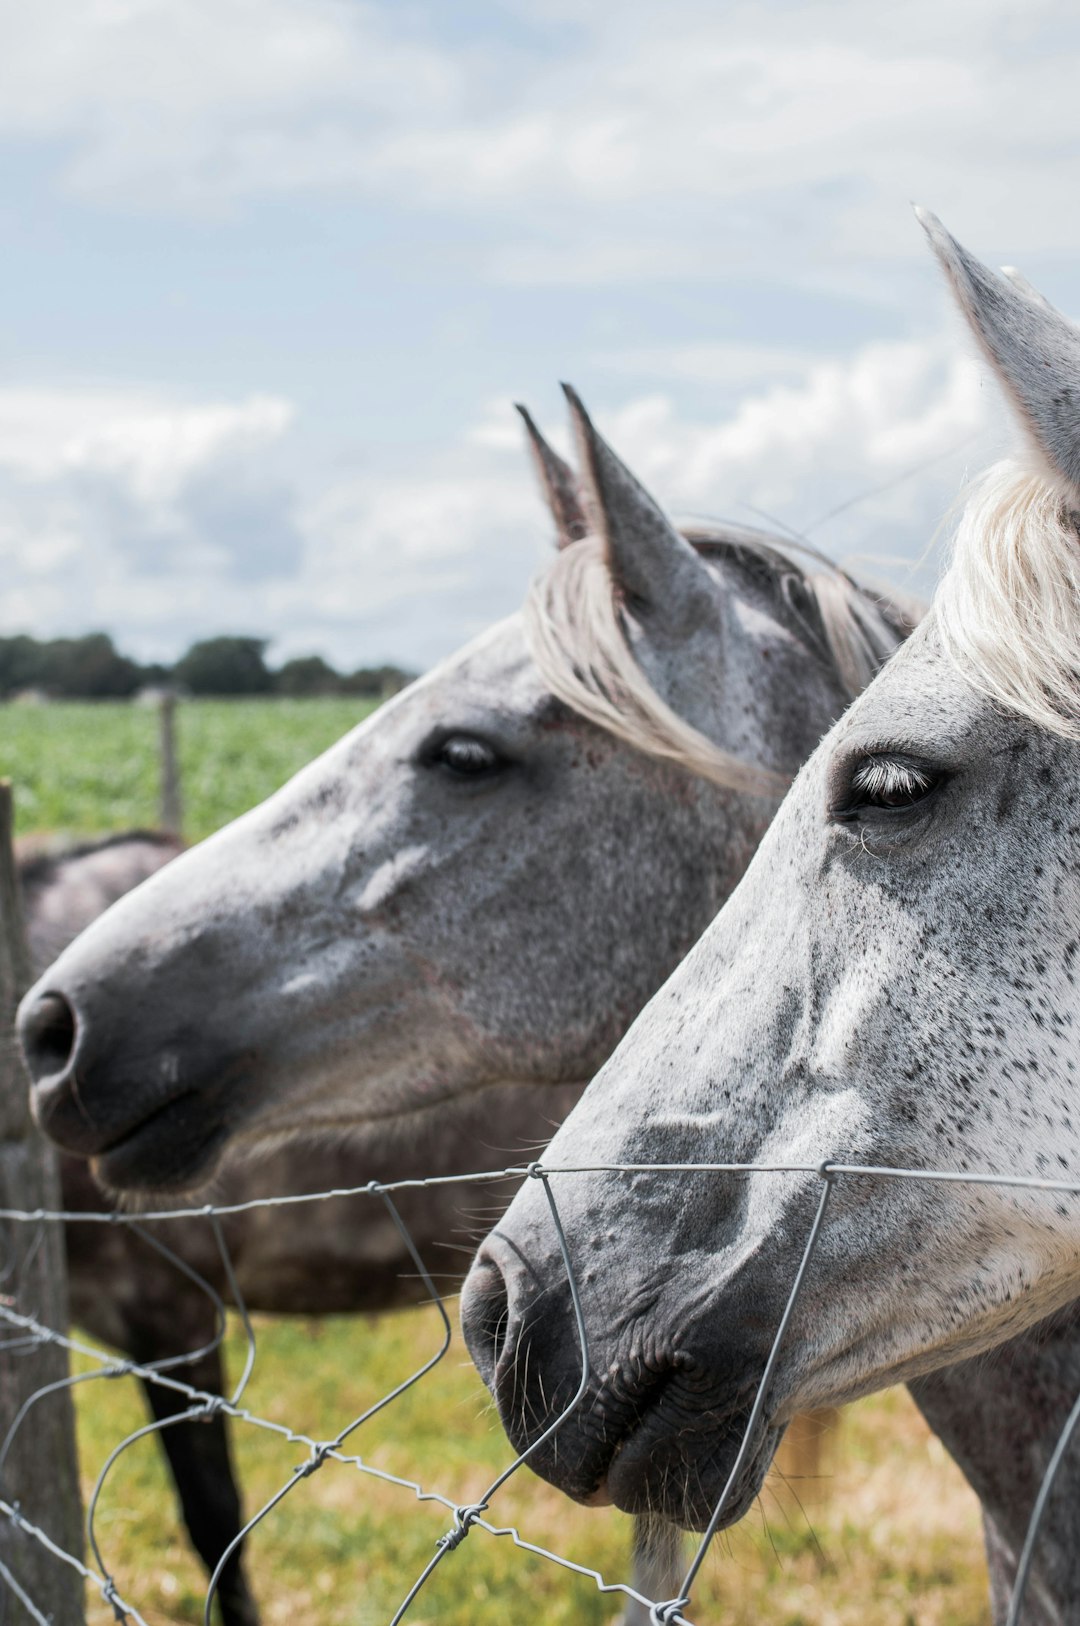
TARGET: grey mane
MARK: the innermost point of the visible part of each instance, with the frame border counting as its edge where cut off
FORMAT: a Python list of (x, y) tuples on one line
[(809, 589), (576, 629)]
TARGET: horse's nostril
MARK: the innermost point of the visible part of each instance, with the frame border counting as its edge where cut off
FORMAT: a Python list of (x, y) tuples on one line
[(485, 1316), (47, 1032)]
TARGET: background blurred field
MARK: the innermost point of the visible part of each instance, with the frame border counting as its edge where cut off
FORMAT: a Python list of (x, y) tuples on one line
[(93, 767), (890, 1534)]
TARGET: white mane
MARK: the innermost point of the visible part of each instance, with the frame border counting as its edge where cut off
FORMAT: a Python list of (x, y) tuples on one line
[(1008, 606), (577, 637)]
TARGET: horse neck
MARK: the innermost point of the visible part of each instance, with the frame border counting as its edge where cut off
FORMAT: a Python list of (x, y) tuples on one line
[(1000, 1420)]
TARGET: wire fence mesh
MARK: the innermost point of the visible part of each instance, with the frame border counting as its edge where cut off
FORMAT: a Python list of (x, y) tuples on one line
[(25, 1334)]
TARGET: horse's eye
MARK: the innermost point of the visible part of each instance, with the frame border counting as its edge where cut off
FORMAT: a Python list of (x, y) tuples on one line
[(467, 756), (891, 783)]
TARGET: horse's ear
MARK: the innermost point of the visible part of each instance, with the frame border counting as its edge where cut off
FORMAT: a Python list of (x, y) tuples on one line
[(655, 567), (1032, 348), (558, 485)]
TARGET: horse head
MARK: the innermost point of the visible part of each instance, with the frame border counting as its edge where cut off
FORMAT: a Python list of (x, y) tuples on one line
[(894, 982), (451, 899)]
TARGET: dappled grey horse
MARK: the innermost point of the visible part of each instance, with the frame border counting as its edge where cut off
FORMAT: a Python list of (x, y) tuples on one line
[(894, 982), (615, 769), (339, 1258), (481, 857)]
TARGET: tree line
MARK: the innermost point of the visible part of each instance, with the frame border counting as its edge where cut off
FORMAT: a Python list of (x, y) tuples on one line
[(92, 668)]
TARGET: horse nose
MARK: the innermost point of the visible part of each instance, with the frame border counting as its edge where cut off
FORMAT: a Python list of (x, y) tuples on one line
[(47, 1031), (50, 1032), (485, 1314)]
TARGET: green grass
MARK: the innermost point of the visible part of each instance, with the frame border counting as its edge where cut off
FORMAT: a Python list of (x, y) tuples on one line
[(91, 768), (887, 1533)]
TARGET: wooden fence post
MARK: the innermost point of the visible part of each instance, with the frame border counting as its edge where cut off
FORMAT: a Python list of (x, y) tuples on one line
[(41, 1471), (172, 806)]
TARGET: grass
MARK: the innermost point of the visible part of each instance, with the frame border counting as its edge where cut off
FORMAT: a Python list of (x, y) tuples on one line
[(889, 1534), (91, 768)]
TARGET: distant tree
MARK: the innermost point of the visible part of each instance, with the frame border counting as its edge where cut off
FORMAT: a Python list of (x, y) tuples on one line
[(88, 668), (376, 682), (92, 668), (20, 664), (307, 675), (224, 666), (155, 676)]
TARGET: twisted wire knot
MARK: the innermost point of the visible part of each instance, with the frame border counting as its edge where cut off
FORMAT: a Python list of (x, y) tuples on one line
[(111, 1596), (319, 1454), (662, 1613), (120, 1369), (535, 1171), (464, 1519), (211, 1406)]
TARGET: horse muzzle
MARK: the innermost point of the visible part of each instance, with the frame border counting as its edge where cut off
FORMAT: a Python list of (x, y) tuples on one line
[(147, 1119), (655, 1431)]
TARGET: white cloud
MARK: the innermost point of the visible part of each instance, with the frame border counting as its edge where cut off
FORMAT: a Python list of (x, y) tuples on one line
[(138, 438), (408, 566), (762, 131), (173, 103), (97, 485), (866, 455)]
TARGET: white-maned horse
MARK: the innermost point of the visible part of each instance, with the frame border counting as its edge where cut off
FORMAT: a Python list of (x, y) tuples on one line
[(896, 981)]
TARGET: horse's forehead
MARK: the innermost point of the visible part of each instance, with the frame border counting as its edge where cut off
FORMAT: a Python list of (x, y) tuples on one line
[(496, 665), (918, 700)]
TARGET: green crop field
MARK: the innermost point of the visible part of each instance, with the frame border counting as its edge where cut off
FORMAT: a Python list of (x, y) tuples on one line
[(887, 1534), (94, 767)]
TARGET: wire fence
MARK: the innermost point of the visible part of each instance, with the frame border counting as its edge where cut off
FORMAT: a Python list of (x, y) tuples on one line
[(25, 1334)]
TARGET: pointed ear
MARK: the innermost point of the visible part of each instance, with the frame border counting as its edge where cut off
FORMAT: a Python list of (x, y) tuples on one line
[(655, 567), (558, 486), (1032, 348)]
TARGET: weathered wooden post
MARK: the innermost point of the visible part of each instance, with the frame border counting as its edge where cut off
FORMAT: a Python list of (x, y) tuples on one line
[(41, 1472), (804, 1461), (172, 806)]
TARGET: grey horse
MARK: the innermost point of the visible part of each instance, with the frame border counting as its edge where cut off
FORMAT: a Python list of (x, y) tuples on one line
[(339, 1258), (893, 983), (736, 642), (613, 767)]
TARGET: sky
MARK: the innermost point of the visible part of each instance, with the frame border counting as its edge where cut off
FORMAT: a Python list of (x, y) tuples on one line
[(276, 270)]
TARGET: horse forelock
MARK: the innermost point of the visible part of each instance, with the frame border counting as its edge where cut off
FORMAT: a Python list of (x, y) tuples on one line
[(577, 636), (1008, 608)]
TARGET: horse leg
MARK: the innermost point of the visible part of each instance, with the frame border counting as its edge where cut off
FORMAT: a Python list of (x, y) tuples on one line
[(659, 1567), (134, 1298), (198, 1454)]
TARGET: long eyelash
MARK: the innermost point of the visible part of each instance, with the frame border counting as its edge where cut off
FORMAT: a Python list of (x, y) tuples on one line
[(889, 776)]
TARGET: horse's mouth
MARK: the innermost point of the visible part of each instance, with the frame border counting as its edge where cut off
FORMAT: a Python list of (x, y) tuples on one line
[(682, 1474), (174, 1148), (669, 1460), (143, 1134)]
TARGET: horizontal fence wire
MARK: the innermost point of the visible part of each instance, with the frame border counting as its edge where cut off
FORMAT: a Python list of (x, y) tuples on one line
[(25, 1333)]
